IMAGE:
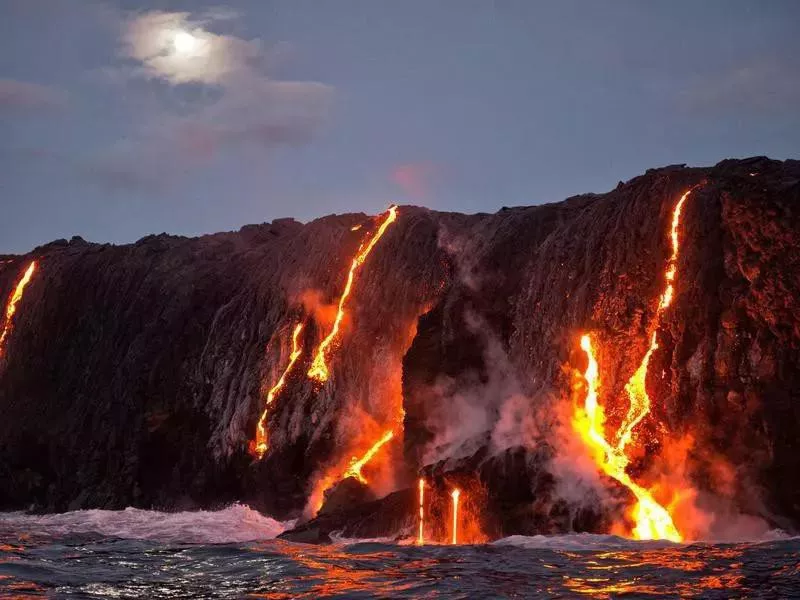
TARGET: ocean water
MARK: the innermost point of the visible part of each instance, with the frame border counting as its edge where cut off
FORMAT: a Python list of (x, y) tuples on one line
[(232, 553)]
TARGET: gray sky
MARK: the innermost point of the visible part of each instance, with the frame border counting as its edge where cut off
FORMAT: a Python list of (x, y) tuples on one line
[(119, 119)]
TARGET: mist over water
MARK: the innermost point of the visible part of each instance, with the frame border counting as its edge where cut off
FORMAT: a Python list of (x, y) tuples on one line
[(233, 553)]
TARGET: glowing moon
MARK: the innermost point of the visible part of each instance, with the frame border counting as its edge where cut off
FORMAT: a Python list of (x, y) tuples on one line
[(184, 42)]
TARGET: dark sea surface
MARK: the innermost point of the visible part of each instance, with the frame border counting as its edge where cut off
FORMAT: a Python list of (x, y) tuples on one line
[(231, 554)]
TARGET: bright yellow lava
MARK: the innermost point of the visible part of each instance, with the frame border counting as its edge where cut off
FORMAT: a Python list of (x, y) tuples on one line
[(420, 536), (354, 470), (454, 495), (652, 520), (11, 307), (319, 368), (636, 389), (261, 444)]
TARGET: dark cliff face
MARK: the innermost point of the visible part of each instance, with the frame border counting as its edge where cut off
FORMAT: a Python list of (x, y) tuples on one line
[(134, 375)]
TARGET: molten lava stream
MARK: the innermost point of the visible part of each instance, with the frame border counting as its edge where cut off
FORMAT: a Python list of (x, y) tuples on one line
[(333, 476), (260, 444), (653, 521), (636, 387), (454, 495), (421, 537), (13, 301), (319, 368), (354, 470)]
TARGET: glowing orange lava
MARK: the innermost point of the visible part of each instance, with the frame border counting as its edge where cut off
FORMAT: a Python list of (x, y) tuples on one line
[(420, 537), (652, 520), (319, 368), (354, 470), (11, 307), (261, 444), (636, 389), (334, 475), (454, 495)]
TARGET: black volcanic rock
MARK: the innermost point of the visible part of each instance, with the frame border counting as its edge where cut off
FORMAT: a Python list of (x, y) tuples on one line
[(134, 375)]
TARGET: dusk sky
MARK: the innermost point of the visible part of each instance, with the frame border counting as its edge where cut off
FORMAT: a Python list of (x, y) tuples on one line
[(120, 119)]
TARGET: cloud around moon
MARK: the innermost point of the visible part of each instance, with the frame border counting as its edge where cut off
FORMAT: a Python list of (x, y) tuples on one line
[(249, 110)]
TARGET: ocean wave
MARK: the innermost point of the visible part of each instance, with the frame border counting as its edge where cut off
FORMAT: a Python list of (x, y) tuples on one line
[(236, 523), (593, 541), (340, 540), (580, 541)]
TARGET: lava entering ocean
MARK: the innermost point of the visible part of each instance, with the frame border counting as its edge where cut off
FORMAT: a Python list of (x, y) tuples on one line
[(421, 536), (320, 371), (319, 368), (454, 495), (260, 445), (13, 301), (652, 520)]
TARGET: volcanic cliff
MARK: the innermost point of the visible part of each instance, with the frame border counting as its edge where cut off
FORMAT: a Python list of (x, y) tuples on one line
[(136, 374)]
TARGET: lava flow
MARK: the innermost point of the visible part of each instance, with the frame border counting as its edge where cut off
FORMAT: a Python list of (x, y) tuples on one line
[(260, 444), (455, 494), (335, 475), (636, 388), (354, 470), (11, 307), (319, 368), (420, 537), (653, 521)]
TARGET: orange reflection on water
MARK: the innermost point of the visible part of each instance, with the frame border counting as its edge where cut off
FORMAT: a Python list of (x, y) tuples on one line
[(648, 572), (337, 573)]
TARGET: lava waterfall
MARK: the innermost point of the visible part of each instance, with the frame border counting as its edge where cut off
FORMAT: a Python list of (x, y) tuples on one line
[(626, 362)]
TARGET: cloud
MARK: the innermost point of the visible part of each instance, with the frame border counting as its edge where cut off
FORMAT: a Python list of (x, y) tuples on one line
[(22, 96), (413, 179), (172, 47), (766, 85), (247, 109), (260, 117)]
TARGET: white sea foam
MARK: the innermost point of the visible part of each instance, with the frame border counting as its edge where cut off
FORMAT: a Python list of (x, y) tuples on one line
[(592, 541), (580, 541), (339, 539), (236, 523)]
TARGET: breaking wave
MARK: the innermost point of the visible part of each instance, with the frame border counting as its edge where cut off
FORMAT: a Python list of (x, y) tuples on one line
[(236, 523), (580, 541), (592, 541)]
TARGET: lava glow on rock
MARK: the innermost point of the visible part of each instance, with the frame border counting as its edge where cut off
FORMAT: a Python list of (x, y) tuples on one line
[(652, 520), (11, 306), (635, 388), (319, 370), (354, 470), (260, 445), (334, 475)]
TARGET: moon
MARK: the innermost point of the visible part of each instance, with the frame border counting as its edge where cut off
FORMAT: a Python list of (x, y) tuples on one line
[(184, 42)]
